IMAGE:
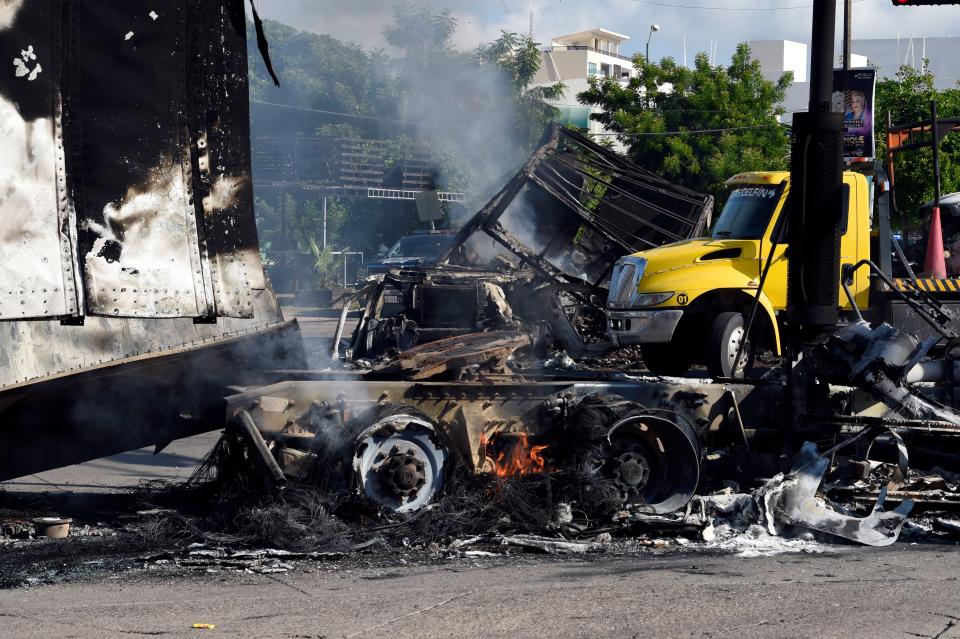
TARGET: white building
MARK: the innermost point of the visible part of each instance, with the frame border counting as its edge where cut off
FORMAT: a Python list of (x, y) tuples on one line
[(779, 56), (886, 55), (889, 54), (574, 59)]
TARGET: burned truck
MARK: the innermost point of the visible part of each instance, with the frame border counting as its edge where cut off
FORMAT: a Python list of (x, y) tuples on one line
[(539, 254), (134, 295)]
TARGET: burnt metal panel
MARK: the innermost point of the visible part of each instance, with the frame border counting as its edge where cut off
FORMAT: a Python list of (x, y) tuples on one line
[(139, 246), (576, 207), (125, 185), (172, 391), (101, 188), (220, 125), (37, 277)]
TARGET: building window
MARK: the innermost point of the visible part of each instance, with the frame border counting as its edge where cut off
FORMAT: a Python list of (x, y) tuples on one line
[(575, 116), (591, 69)]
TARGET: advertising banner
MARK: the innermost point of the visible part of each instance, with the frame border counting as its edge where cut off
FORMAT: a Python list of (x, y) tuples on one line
[(853, 95)]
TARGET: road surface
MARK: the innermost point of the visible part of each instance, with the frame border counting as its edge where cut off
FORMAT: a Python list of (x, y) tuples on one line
[(906, 591)]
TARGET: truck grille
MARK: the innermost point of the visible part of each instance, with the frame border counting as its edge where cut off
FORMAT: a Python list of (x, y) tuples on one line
[(624, 281)]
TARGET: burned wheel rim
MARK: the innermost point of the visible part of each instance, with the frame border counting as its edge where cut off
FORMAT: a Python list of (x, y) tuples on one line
[(399, 463), (654, 460)]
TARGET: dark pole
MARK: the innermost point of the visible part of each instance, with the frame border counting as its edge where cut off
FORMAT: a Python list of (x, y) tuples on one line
[(821, 55), (816, 174), (934, 125), (904, 229), (847, 32), (647, 61), (814, 212)]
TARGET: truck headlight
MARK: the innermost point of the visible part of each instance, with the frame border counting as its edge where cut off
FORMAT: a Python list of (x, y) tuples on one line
[(650, 299)]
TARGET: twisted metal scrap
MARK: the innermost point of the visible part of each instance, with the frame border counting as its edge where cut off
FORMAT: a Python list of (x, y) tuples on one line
[(791, 499)]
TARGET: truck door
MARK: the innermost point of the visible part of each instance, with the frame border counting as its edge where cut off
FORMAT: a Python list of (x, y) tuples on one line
[(775, 287), (854, 238)]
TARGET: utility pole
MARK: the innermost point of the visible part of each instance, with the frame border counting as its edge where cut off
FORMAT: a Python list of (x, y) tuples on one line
[(324, 221), (814, 211), (847, 32), (815, 206)]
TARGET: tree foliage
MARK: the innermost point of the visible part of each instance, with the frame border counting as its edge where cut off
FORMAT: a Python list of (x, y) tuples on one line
[(421, 33), (324, 74), (907, 98), (667, 97), (519, 58)]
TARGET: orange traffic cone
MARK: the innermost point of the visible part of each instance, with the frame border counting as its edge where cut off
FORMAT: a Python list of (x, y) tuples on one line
[(935, 265)]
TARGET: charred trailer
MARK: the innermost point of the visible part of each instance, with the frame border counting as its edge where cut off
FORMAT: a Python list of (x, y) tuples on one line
[(133, 293)]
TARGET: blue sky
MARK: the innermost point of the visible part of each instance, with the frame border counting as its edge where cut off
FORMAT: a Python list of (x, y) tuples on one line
[(362, 21)]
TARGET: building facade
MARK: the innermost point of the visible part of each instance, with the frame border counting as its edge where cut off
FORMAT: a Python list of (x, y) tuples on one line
[(575, 58)]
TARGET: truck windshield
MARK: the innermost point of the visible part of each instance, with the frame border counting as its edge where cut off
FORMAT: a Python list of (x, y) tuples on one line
[(747, 212), (421, 245)]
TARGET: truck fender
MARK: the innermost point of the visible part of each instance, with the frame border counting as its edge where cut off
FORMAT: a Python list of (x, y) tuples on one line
[(771, 316)]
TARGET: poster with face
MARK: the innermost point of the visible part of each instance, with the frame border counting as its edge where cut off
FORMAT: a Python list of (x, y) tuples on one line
[(853, 96)]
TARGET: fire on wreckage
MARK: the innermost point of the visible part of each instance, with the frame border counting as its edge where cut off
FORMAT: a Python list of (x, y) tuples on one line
[(396, 434), (441, 393)]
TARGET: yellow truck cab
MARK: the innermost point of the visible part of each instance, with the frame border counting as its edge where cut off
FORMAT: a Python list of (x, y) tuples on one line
[(686, 302)]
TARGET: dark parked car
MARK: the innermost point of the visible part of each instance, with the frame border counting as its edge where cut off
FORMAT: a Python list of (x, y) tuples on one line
[(420, 249)]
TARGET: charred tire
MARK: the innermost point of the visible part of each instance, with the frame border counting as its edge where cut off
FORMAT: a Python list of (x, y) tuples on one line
[(723, 339), (671, 359), (399, 458), (653, 458)]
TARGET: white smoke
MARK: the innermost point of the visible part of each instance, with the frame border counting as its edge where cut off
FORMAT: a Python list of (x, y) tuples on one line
[(469, 114)]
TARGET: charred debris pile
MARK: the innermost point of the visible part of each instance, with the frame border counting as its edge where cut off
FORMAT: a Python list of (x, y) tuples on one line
[(411, 455), (432, 436), (436, 431)]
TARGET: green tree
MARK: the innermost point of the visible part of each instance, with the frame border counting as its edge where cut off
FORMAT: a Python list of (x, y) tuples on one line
[(420, 33), (907, 98), (735, 103), (323, 74)]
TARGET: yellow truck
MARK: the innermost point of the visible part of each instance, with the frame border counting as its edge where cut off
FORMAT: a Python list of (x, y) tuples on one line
[(686, 303)]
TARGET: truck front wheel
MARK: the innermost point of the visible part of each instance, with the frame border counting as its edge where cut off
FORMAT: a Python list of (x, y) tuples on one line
[(671, 359), (723, 340)]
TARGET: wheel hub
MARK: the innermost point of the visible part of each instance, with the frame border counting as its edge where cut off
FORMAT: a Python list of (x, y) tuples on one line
[(403, 474), (736, 337), (631, 472)]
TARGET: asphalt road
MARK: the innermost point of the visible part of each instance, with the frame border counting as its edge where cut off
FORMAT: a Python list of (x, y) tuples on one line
[(906, 591)]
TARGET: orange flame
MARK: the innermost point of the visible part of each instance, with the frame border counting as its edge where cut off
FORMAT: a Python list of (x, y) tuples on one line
[(513, 455)]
